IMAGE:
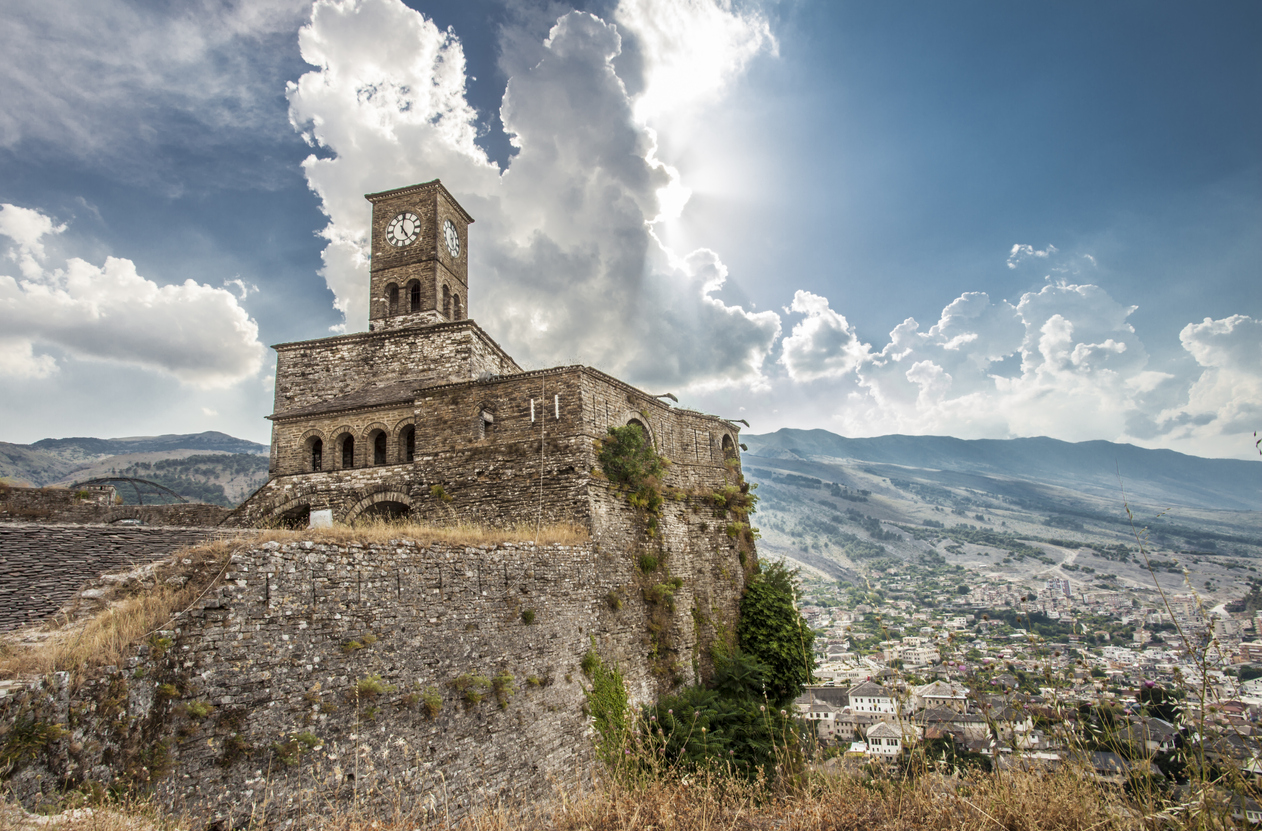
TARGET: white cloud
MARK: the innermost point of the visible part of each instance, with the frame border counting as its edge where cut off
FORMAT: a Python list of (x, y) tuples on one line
[(26, 228), (1021, 252), (691, 50), (822, 345), (117, 81), (1224, 405), (1063, 362), (564, 264), (242, 288), (197, 333)]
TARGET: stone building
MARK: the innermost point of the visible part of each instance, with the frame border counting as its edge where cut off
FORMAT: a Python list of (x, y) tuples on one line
[(425, 415)]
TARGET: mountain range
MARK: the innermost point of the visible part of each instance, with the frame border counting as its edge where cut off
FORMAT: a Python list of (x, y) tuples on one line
[(1099, 468), (207, 467)]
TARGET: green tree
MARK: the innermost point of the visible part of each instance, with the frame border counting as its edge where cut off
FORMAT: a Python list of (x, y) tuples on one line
[(773, 631)]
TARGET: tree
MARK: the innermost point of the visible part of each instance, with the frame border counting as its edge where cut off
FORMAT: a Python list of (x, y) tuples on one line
[(773, 632)]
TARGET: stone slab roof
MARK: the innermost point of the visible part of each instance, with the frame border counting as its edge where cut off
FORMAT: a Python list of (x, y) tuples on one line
[(401, 392)]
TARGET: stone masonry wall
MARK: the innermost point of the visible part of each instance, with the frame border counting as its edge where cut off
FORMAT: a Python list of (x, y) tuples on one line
[(314, 371), (42, 566), (249, 708)]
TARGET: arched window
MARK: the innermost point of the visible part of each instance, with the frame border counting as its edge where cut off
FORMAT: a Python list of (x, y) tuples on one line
[(446, 302), (317, 454), (408, 440), (414, 297), (729, 448), (392, 300), (348, 452), (648, 438), (486, 423), (455, 307), (379, 448)]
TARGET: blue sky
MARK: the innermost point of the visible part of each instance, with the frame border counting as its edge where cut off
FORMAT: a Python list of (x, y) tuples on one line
[(978, 219)]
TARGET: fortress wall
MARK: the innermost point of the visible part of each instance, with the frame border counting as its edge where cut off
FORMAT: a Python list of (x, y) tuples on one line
[(280, 648), (96, 506), (42, 566), (314, 371)]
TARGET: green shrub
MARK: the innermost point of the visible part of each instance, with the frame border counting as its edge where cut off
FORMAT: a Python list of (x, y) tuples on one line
[(628, 459), (472, 687), (431, 703), (26, 739), (663, 594), (528, 616), (648, 563), (502, 684), (371, 686), (730, 723), (197, 710), (607, 705)]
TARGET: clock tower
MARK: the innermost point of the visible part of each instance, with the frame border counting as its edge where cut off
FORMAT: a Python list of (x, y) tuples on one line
[(420, 258)]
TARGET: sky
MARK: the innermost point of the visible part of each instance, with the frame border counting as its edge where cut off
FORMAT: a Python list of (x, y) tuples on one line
[(975, 219)]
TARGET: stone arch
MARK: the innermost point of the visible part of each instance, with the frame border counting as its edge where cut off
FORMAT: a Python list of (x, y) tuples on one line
[(643, 423), (388, 495), (446, 301), (341, 453), (292, 513), (405, 441), (414, 296), (392, 299), (456, 308), (729, 447), (376, 438), (313, 450)]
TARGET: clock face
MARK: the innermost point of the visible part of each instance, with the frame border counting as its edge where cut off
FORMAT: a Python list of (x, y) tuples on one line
[(403, 229), (452, 237)]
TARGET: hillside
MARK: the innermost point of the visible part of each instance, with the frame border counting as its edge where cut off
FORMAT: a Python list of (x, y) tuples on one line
[(205, 467), (1026, 510)]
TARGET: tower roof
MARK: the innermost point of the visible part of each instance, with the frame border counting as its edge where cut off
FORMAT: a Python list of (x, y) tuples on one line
[(435, 184)]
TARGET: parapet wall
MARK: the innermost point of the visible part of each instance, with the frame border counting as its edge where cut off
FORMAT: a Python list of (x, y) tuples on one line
[(82, 507), (301, 681)]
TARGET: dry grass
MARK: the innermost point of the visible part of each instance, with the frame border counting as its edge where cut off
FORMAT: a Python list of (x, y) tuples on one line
[(847, 801), (453, 533), (13, 818)]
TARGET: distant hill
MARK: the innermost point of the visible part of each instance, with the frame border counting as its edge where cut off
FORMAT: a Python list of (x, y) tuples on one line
[(88, 448), (1021, 511), (206, 467), (1099, 468)]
